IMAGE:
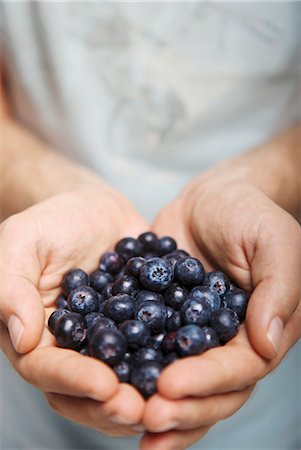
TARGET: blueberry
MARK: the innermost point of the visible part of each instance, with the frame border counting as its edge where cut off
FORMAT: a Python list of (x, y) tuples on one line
[(144, 379), (61, 302), (125, 285), (189, 271), (217, 282), (145, 296), (170, 358), (190, 340), (156, 274), (171, 259), (83, 300), (153, 315), (123, 371), (165, 245), (107, 291), (101, 324), (70, 331), (150, 255), (108, 345), (55, 316), (169, 343), (92, 318), (181, 253), (134, 265), (155, 341), (195, 311), (237, 300), (128, 357), (211, 338), (110, 262), (205, 292), (175, 296), (120, 308), (148, 241), (144, 355), (74, 278), (128, 247), (135, 332), (100, 279), (174, 322), (225, 323)]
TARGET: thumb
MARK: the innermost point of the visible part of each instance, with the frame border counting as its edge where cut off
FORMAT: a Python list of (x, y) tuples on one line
[(21, 306), (276, 270)]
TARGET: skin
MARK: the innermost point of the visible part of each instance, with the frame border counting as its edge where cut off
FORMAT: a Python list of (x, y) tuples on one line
[(238, 212)]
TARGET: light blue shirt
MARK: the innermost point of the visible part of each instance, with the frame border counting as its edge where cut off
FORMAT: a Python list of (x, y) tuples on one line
[(148, 95)]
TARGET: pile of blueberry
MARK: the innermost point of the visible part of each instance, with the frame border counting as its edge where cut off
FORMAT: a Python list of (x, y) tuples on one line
[(147, 305)]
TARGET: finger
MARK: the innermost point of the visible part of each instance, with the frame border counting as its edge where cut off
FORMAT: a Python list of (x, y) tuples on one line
[(163, 415), (220, 370), (21, 307), (54, 369), (276, 270), (100, 416), (172, 440)]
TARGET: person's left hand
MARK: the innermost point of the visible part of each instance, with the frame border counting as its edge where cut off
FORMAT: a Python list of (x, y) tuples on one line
[(238, 229)]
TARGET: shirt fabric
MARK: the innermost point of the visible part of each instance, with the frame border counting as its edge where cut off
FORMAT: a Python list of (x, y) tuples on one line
[(148, 95)]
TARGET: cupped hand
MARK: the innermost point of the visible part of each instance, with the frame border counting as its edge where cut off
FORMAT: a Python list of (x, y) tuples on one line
[(239, 230), (71, 229)]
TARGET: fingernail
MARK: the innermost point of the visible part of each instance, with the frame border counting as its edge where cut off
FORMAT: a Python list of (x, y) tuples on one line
[(275, 332), (120, 420), (15, 328), (168, 426), (138, 428)]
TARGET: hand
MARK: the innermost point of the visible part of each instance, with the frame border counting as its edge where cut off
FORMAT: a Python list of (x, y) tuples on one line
[(237, 228), (38, 245)]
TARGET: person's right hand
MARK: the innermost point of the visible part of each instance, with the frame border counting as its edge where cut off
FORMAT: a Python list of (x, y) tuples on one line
[(38, 245)]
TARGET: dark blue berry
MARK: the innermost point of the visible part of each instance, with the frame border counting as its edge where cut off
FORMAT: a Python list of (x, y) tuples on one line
[(205, 292), (55, 316), (128, 247), (190, 340), (225, 323), (84, 351), (83, 300), (169, 343), (123, 371), (189, 271), (107, 291), (155, 341), (144, 379), (153, 315), (211, 338), (92, 318), (174, 322), (70, 331), (61, 302), (145, 296), (108, 345), (144, 355), (195, 311), (120, 308), (128, 357), (237, 300), (125, 285), (135, 332), (74, 278), (217, 282), (100, 279), (150, 255), (165, 244), (111, 262), (148, 241), (175, 296), (134, 265), (101, 324), (156, 274)]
